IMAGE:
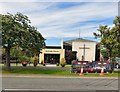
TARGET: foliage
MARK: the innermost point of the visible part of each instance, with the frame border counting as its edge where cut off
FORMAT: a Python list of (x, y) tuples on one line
[(17, 31), (24, 58), (70, 55), (35, 60), (104, 54), (110, 38), (15, 52), (63, 62)]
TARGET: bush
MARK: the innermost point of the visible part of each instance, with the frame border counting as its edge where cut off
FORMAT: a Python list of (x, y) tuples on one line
[(24, 60), (35, 61), (63, 62)]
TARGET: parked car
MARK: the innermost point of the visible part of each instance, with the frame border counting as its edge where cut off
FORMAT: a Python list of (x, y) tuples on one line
[(106, 65), (76, 66), (91, 67), (117, 65)]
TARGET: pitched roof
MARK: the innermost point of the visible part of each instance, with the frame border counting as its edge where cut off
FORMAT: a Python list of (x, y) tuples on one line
[(78, 40)]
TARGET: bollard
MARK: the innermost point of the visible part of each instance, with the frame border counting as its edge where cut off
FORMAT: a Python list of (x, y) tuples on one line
[(81, 73), (102, 71), (108, 73)]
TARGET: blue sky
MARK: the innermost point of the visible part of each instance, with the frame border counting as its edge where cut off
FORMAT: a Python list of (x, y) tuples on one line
[(64, 20)]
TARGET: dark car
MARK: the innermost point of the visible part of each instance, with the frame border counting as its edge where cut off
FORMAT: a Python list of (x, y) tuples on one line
[(106, 65), (117, 65), (76, 66), (91, 67)]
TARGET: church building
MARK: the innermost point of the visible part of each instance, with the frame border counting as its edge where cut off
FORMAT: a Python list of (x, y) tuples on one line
[(86, 50), (76, 49)]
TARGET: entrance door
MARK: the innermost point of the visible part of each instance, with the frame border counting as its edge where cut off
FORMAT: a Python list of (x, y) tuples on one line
[(52, 58)]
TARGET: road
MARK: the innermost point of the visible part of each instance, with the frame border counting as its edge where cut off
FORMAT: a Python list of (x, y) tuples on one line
[(41, 83)]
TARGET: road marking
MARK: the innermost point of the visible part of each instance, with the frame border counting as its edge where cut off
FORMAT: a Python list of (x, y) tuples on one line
[(49, 90)]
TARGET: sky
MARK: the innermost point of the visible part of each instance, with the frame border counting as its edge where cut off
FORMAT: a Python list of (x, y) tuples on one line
[(65, 20)]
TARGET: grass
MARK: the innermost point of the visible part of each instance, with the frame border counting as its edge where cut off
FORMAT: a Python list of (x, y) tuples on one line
[(36, 70), (40, 70)]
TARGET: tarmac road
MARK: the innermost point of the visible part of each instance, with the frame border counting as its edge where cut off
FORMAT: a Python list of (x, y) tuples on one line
[(59, 83)]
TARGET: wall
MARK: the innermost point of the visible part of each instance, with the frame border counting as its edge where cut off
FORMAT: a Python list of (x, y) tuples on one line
[(89, 53)]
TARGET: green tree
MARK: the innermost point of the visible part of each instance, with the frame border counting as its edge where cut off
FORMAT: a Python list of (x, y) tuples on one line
[(17, 31), (110, 38), (116, 33), (104, 54)]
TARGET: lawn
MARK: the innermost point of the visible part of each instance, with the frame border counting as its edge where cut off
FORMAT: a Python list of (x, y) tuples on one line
[(36, 70), (50, 71)]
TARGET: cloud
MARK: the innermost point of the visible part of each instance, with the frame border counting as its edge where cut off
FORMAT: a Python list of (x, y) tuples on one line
[(65, 19), (67, 22), (60, 1)]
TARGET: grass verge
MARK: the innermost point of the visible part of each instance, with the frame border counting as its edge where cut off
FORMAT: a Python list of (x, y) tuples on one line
[(46, 71)]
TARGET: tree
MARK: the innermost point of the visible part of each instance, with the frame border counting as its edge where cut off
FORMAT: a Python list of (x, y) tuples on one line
[(35, 42), (69, 56), (104, 54), (116, 33), (110, 38), (17, 31)]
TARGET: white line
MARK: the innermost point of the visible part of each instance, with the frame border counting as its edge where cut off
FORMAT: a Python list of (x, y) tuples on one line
[(25, 89), (55, 90)]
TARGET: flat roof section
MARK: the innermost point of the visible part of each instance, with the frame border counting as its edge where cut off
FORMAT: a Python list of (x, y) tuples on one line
[(53, 47)]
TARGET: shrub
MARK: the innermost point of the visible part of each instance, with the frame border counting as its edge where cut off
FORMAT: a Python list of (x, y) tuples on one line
[(63, 62), (35, 61), (24, 60)]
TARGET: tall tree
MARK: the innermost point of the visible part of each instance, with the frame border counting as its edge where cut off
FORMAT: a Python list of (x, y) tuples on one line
[(116, 33), (16, 30), (110, 38)]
